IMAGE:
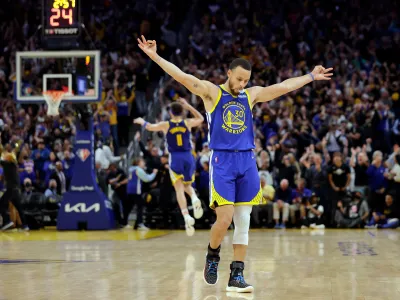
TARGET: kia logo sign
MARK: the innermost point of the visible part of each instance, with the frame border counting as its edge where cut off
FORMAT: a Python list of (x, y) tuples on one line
[(81, 208)]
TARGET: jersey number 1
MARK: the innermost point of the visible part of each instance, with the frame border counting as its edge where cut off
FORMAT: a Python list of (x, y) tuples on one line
[(179, 140)]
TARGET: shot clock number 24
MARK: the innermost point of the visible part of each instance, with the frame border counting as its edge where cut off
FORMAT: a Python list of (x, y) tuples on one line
[(61, 17)]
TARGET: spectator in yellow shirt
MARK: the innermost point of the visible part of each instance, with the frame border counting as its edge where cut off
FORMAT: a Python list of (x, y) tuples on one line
[(110, 106), (265, 210)]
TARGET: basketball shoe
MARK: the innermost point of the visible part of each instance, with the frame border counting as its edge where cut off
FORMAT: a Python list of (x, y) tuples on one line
[(236, 280), (211, 266)]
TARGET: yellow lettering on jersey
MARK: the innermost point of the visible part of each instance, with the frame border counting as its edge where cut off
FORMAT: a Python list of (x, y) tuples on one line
[(177, 129), (234, 131)]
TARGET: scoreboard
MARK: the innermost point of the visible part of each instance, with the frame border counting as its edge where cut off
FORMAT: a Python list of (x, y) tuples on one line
[(61, 18)]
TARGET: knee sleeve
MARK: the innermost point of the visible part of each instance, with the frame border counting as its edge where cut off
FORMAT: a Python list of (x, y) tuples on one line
[(241, 219)]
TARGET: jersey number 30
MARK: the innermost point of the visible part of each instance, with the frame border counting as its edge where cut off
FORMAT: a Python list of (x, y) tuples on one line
[(179, 140)]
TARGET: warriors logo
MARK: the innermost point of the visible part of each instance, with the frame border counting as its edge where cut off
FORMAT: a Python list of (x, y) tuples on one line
[(234, 117)]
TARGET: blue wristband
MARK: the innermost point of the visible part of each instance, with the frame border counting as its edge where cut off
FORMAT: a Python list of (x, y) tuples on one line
[(145, 123), (312, 76)]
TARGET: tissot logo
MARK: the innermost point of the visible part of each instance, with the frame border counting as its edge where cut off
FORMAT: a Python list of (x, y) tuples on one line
[(83, 154)]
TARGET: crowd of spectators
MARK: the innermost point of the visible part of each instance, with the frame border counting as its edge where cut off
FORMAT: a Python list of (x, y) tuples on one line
[(328, 154)]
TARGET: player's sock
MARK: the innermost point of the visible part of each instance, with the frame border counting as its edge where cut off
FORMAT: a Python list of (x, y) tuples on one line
[(213, 252), (189, 222), (236, 279), (197, 209), (211, 267), (185, 212)]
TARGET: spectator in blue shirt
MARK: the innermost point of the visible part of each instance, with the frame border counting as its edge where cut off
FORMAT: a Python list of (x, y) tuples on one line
[(377, 182), (298, 195)]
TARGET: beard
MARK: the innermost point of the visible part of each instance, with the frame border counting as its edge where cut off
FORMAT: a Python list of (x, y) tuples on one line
[(231, 87)]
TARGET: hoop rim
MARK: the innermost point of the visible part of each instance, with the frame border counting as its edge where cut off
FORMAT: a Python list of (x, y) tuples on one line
[(54, 95)]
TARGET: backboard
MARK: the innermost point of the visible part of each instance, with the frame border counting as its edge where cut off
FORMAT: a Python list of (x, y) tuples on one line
[(76, 72)]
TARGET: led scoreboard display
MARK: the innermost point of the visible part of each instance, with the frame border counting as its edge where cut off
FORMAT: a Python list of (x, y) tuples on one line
[(61, 17)]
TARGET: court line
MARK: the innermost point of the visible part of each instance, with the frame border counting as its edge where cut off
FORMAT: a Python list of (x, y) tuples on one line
[(371, 234)]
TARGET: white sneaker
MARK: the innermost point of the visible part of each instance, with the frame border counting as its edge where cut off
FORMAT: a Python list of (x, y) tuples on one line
[(142, 227), (127, 227), (197, 209), (304, 227), (371, 226), (189, 225), (7, 226)]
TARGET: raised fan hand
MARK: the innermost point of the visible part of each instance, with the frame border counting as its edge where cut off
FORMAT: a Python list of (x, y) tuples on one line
[(139, 121), (148, 46), (320, 73)]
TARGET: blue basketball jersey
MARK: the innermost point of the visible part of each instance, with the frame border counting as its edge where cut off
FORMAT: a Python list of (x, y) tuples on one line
[(230, 122), (178, 137)]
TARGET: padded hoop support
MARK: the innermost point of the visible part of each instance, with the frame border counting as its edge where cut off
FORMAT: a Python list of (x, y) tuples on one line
[(85, 206)]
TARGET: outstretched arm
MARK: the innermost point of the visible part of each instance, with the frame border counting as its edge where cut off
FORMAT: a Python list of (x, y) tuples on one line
[(161, 126), (198, 117), (264, 94), (202, 88)]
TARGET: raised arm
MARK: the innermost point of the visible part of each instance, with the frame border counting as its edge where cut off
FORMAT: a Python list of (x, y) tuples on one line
[(161, 126), (198, 117), (264, 94), (205, 89)]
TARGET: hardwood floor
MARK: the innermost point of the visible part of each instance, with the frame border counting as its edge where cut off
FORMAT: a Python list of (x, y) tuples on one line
[(281, 264)]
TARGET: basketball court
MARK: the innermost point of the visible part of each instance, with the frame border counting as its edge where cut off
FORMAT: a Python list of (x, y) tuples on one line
[(291, 264)]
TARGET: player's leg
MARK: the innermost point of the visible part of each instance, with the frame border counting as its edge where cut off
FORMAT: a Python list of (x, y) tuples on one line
[(16, 201), (248, 193), (222, 195), (181, 198), (176, 171), (190, 167), (7, 223)]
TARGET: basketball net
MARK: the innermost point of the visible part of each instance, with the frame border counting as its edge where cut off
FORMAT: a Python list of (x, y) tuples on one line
[(53, 100)]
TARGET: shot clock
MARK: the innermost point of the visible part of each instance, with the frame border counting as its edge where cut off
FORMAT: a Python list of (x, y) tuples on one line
[(61, 17)]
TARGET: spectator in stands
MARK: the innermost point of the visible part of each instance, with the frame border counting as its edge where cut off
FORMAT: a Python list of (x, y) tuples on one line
[(118, 181), (283, 198), (388, 218), (137, 174), (352, 211), (299, 195), (359, 162), (339, 180), (52, 189), (377, 182), (104, 154), (265, 210), (59, 176), (311, 212)]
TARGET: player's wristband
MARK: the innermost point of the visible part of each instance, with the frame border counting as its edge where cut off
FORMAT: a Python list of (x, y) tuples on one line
[(312, 76), (145, 123)]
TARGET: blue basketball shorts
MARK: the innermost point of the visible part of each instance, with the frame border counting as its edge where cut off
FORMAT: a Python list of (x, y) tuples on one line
[(234, 179), (182, 166)]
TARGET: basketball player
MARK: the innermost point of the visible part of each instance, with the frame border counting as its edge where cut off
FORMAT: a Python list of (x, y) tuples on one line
[(13, 191), (234, 180), (181, 161)]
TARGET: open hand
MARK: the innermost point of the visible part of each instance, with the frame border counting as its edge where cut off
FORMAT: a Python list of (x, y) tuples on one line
[(183, 102), (139, 121), (148, 47), (320, 73)]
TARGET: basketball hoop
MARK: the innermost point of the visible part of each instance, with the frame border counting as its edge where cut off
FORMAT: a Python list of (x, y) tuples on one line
[(53, 100)]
